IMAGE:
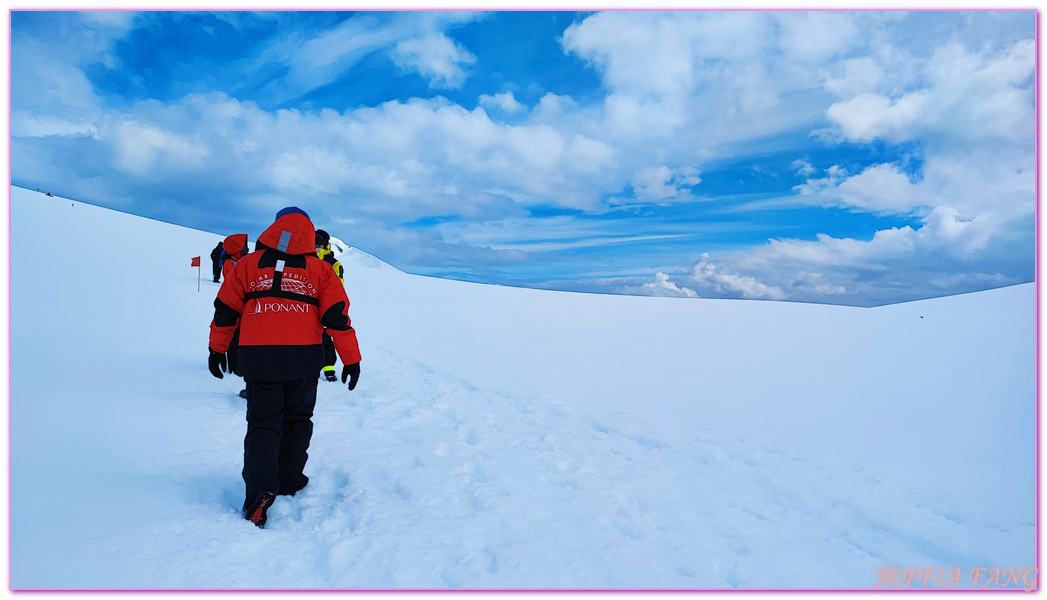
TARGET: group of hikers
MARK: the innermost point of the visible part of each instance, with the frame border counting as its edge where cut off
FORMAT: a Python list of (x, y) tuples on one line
[(280, 318)]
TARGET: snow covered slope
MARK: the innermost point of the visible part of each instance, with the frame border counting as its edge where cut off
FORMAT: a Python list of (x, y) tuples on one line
[(506, 438)]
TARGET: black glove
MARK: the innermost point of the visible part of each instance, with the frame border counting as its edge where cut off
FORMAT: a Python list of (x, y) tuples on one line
[(352, 373), (216, 362)]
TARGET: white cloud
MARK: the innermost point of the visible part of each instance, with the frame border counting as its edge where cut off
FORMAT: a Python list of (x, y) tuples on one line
[(803, 167), (827, 251), (870, 116), (25, 124), (504, 101), (586, 156), (834, 175), (331, 53), (966, 95), (662, 283), (646, 52), (115, 19), (946, 254), (688, 176), (816, 36), (669, 72), (652, 183), (681, 89), (51, 95), (945, 231), (706, 274), (435, 57), (989, 180), (408, 151), (860, 76), (553, 106), (415, 40), (658, 184), (881, 188), (147, 150), (646, 60)]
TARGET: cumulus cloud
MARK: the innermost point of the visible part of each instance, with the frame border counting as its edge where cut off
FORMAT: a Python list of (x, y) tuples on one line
[(946, 254), (680, 91), (882, 188), (672, 72), (54, 96), (817, 36), (397, 159), (662, 284), (803, 167), (859, 76), (504, 101), (941, 233), (657, 184), (706, 274), (653, 183), (964, 94), (142, 149), (870, 116), (833, 176), (435, 57)]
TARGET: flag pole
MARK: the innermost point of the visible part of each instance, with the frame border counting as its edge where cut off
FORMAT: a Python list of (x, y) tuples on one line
[(195, 262)]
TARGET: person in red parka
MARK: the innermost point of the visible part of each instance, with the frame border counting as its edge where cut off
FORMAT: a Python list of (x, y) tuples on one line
[(234, 248), (281, 296)]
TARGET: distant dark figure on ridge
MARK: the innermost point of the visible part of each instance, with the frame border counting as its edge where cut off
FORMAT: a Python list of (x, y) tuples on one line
[(216, 261)]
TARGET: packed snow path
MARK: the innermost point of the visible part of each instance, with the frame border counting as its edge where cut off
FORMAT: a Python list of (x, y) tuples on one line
[(446, 467)]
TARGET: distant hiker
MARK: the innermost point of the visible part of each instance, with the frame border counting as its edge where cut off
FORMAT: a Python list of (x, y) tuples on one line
[(234, 248), (323, 250), (282, 297), (216, 264)]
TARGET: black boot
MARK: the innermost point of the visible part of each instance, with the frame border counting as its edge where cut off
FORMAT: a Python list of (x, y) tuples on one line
[(256, 512), (290, 489)]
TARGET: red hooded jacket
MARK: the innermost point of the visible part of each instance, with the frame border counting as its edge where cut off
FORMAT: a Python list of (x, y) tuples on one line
[(233, 246), (282, 297)]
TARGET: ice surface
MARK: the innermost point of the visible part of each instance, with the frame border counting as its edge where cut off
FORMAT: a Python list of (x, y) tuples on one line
[(509, 438)]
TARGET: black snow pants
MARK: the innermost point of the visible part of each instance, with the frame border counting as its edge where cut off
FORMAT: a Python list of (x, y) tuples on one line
[(279, 427)]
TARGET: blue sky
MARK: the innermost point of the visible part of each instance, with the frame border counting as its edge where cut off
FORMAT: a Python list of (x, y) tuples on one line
[(845, 157)]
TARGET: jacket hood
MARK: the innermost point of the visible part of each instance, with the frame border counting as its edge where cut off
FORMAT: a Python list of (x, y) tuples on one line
[(292, 233), (235, 244)]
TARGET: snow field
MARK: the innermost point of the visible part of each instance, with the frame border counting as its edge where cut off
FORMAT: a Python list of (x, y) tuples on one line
[(504, 438)]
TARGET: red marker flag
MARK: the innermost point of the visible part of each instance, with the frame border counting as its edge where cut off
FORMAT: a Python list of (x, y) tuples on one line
[(196, 263)]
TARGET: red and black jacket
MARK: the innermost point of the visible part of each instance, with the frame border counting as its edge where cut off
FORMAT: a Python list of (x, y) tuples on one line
[(282, 297), (234, 246)]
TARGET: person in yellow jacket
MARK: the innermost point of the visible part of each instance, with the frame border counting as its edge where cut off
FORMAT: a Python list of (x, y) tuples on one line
[(323, 250)]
